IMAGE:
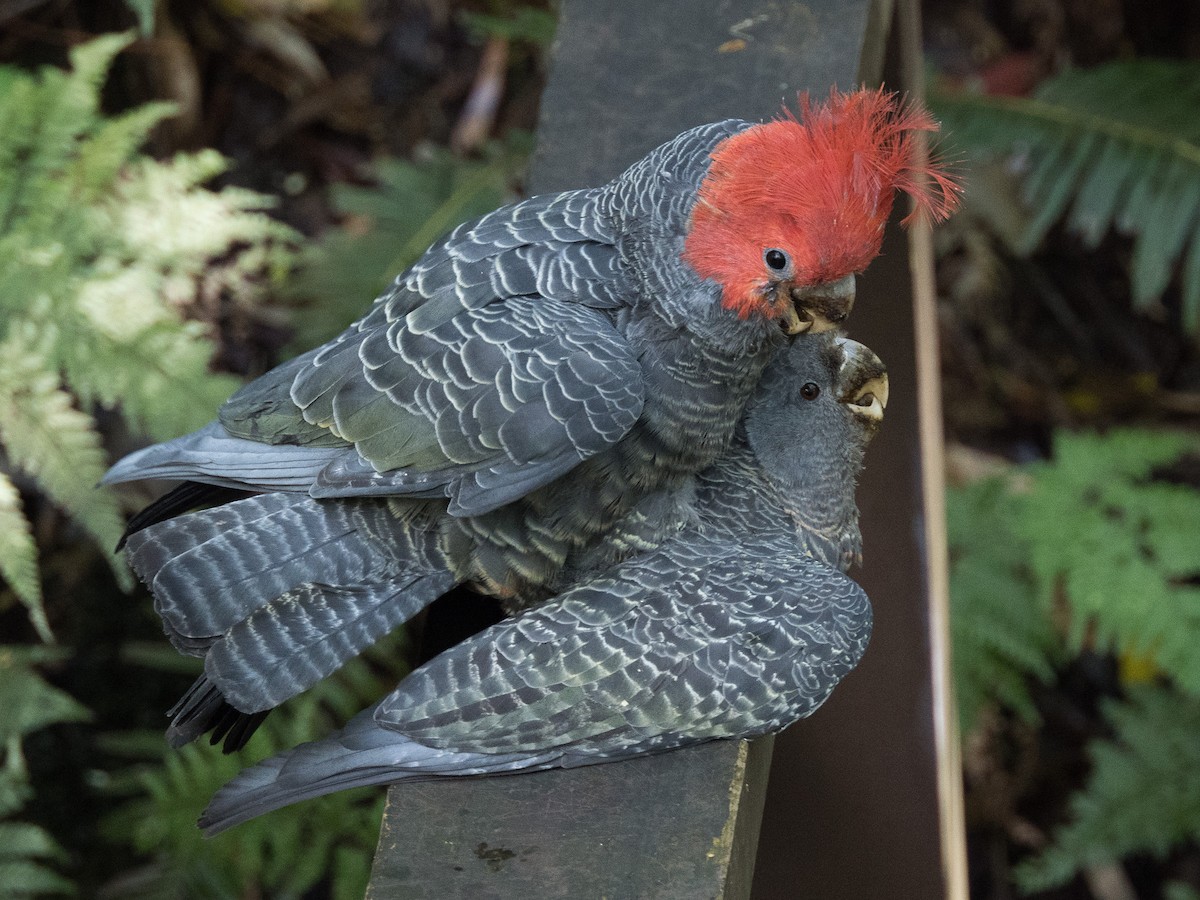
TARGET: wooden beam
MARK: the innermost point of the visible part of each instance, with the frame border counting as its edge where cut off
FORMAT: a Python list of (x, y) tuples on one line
[(678, 825), (871, 790)]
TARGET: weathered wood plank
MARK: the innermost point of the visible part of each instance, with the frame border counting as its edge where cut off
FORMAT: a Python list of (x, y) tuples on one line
[(871, 791), (628, 75), (668, 826)]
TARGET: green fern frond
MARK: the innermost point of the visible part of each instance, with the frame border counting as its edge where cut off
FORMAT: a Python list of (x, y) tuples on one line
[(110, 145), (45, 117), (1116, 146), (29, 704), (139, 358), (1178, 890), (1125, 548), (1001, 631), (144, 10), (18, 557), (47, 437), (24, 849), (1143, 795), (101, 252), (1100, 533)]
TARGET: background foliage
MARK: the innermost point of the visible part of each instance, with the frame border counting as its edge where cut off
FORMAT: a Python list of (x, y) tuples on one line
[(1071, 307), (101, 251), (1115, 146), (127, 283), (1094, 550)]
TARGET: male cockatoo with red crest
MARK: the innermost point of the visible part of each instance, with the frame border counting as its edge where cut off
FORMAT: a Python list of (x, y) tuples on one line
[(505, 407)]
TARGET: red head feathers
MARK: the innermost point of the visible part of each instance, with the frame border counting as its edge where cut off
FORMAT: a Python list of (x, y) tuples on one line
[(817, 190)]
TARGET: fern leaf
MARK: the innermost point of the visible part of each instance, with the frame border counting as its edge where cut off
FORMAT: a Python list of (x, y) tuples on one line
[(29, 703), (1116, 146), (46, 436), (99, 251), (1143, 795), (1001, 631), (167, 222), (56, 108), (18, 557), (159, 376), (26, 879), (144, 10), (1178, 890), (22, 849), (1124, 547), (108, 149)]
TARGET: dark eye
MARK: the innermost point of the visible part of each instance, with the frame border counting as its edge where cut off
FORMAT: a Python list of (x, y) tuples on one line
[(776, 259), (810, 391)]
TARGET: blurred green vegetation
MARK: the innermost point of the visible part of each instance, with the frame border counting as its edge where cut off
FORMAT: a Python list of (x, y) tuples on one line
[(1076, 580), (1116, 146), (388, 225), (1096, 550), (116, 271)]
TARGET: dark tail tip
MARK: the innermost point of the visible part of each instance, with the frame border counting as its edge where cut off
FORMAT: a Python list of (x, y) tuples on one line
[(203, 709)]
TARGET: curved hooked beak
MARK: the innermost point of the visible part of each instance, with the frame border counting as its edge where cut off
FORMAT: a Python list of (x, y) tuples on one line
[(817, 307), (862, 381)]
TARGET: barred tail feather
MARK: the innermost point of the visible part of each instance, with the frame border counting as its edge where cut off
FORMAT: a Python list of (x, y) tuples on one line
[(287, 646), (277, 591), (297, 639), (210, 570)]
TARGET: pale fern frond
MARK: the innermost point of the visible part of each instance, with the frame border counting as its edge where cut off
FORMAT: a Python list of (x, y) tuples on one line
[(47, 437), (167, 222), (18, 557), (1116, 146), (101, 253), (158, 376)]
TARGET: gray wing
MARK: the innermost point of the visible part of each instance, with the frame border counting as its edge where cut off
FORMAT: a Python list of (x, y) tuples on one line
[(697, 642), (487, 406), (702, 642), (487, 370)]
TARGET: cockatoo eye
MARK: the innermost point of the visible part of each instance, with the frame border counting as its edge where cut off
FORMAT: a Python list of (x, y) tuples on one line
[(777, 259), (810, 391)]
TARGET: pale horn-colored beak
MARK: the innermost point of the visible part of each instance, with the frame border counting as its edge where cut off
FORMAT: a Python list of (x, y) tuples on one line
[(819, 307)]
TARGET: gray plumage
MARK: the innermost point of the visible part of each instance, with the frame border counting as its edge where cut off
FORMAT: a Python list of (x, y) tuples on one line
[(737, 625), (510, 406)]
